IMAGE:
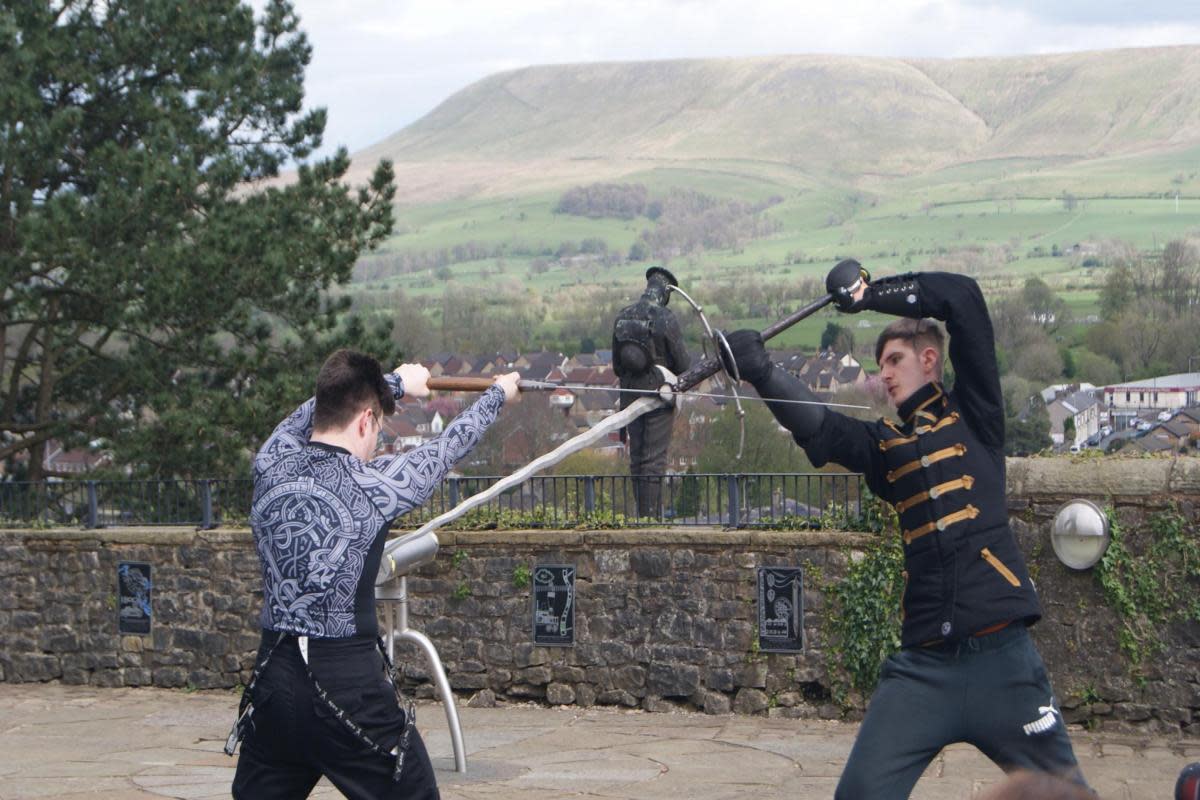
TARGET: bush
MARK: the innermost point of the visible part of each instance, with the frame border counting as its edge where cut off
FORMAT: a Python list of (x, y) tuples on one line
[(619, 200)]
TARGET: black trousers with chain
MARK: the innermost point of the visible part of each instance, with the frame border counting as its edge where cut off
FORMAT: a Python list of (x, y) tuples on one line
[(294, 738)]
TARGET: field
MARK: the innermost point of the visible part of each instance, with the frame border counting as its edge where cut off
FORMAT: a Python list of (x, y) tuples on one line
[(1003, 168), (889, 235)]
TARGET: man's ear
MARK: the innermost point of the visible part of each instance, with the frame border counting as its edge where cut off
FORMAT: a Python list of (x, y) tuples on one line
[(929, 362)]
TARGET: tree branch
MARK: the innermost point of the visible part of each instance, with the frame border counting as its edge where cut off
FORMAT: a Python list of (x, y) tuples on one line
[(14, 382), (25, 444)]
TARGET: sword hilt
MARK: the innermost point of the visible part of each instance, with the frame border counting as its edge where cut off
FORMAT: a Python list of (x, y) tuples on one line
[(711, 366), (469, 384)]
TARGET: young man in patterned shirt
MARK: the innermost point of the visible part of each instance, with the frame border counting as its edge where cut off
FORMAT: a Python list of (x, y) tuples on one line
[(322, 701)]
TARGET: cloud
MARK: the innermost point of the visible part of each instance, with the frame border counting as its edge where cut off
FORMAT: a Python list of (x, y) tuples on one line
[(1093, 13)]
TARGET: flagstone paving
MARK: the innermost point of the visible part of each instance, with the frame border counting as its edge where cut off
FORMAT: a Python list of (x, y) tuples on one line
[(70, 742)]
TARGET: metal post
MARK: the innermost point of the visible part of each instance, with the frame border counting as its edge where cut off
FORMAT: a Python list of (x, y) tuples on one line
[(93, 511), (394, 597), (453, 492), (589, 494), (206, 506), (732, 485)]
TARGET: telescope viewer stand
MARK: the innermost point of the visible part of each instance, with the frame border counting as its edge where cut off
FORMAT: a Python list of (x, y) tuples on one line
[(393, 596)]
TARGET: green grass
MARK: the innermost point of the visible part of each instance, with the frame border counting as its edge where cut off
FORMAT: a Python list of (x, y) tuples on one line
[(888, 236), (1003, 217)]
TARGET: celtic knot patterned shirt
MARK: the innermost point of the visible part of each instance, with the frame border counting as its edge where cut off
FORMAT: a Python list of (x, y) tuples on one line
[(320, 516)]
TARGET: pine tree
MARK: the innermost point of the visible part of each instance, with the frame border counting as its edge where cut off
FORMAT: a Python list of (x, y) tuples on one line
[(161, 291)]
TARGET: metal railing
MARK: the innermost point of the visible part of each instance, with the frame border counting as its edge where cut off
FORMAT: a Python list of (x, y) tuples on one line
[(204, 503), (549, 501)]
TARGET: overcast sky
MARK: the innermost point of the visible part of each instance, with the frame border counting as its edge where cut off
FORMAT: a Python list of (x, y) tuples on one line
[(381, 64)]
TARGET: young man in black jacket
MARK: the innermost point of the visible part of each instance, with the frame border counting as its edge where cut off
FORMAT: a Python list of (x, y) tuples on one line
[(967, 670)]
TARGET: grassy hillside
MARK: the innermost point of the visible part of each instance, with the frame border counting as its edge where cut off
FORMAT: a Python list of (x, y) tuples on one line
[(997, 166), (798, 119), (1080, 104), (781, 110)]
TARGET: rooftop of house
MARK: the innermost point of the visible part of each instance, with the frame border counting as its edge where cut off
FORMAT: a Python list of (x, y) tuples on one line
[(1177, 382), (1077, 401)]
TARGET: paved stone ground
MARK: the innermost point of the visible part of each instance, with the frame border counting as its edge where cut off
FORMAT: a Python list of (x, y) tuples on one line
[(71, 742)]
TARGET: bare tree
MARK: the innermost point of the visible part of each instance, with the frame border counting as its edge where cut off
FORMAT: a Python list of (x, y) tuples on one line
[(530, 427), (1039, 361), (1143, 328), (1177, 275)]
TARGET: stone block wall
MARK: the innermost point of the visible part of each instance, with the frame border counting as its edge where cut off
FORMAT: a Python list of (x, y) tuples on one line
[(1079, 632), (58, 607), (665, 618)]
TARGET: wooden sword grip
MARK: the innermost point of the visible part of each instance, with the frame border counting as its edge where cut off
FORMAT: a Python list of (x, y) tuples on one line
[(459, 384)]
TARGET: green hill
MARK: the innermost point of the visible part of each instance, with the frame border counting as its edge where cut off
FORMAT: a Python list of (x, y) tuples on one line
[(1003, 168), (800, 121)]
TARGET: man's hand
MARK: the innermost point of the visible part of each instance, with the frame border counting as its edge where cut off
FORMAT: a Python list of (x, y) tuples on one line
[(848, 282), (508, 382), (750, 355), (415, 379)]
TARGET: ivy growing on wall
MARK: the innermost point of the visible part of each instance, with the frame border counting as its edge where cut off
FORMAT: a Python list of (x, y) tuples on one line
[(862, 619), (486, 519), (1152, 586)]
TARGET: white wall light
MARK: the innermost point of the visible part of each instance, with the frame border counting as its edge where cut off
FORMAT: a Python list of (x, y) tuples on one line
[(1080, 534)]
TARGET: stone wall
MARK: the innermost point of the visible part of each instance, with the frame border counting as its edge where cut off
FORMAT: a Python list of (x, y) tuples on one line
[(58, 607), (665, 618), (1078, 635)]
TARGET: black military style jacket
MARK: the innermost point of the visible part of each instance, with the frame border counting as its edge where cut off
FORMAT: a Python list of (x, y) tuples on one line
[(942, 468)]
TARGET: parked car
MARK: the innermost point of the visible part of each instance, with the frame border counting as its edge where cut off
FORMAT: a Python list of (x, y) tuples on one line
[(1164, 416), (1105, 430), (1144, 425)]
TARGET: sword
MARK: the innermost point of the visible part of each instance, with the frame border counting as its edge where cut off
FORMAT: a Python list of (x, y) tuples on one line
[(467, 384), (405, 553)]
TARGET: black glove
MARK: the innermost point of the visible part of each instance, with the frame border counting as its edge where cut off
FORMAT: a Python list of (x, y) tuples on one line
[(753, 363), (843, 281), (755, 366)]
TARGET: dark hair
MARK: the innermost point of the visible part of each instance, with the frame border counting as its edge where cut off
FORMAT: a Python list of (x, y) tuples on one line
[(919, 333), (348, 382)]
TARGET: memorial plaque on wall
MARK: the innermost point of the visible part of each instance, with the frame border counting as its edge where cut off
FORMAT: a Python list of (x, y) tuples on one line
[(133, 597), (781, 609), (554, 604)]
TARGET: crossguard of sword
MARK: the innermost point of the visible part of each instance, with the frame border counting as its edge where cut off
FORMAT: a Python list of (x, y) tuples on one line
[(728, 366), (711, 366)]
